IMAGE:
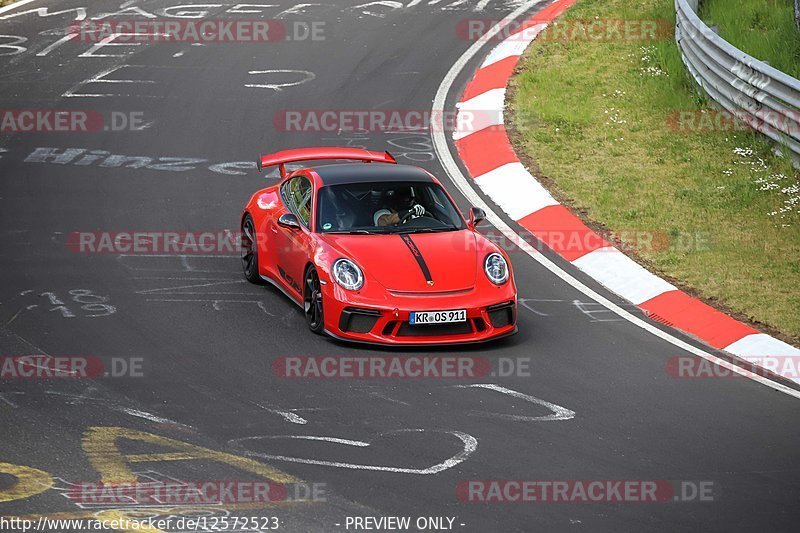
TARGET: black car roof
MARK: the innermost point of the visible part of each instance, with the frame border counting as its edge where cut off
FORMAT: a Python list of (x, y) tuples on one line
[(369, 173)]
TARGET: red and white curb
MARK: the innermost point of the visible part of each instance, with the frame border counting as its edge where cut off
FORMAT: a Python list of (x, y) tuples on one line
[(487, 153)]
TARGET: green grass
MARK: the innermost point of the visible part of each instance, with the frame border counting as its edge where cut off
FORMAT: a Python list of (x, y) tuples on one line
[(763, 28), (6, 2), (594, 118)]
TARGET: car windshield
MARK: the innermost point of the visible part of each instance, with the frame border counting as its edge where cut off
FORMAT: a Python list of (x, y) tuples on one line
[(386, 207)]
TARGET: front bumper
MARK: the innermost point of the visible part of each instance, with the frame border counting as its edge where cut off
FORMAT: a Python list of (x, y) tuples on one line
[(490, 315)]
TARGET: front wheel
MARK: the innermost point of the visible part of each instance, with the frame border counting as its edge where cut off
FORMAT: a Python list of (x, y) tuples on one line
[(250, 251), (312, 302)]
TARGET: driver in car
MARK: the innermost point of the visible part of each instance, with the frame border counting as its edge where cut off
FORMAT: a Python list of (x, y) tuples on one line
[(402, 207)]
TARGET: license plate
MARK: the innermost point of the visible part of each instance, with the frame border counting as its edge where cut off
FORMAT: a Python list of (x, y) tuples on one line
[(438, 317)]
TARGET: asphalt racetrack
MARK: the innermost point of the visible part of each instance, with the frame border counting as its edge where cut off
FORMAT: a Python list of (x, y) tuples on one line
[(189, 390)]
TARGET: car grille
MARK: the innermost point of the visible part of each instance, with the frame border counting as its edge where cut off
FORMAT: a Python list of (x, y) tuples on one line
[(358, 320), (433, 330), (501, 315)]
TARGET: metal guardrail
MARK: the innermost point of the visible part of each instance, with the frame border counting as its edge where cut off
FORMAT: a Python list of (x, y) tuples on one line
[(761, 96)]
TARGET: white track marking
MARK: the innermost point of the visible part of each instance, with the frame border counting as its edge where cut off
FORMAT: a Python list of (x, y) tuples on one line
[(16, 40), (14, 6), (182, 278), (287, 415), (524, 303), (382, 396), (307, 76), (215, 302), (462, 184), (470, 444), (559, 413), (147, 416), (592, 309), (64, 39), (100, 78), (215, 283), (348, 442), (110, 41), (33, 363), (7, 401), (208, 293)]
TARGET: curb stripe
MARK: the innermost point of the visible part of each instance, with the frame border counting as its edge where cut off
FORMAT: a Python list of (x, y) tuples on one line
[(530, 195), (486, 150), (488, 156), (622, 275), (758, 344), (563, 232), (701, 320), (494, 76), (481, 112)]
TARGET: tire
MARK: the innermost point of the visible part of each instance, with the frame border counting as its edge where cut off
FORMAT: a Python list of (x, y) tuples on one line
[(312, 302), (250, 251)]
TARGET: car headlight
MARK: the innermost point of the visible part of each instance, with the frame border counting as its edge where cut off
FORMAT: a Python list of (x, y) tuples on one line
[(496, 268), (347, 274)]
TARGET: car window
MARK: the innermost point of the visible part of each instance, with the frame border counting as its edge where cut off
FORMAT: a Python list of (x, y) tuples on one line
[(358, 208), (297, 195)]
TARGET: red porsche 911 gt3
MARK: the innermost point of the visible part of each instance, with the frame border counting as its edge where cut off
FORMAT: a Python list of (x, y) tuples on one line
[(376, 252)]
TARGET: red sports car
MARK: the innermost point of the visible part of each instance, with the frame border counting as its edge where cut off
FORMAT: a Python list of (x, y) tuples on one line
[(376, 252)]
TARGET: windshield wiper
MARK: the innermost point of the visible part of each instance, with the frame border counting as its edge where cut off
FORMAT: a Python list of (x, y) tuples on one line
[(352, 232), (428, 230)]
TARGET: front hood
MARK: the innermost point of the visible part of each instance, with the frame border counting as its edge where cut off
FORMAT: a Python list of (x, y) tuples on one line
[(405, 262)]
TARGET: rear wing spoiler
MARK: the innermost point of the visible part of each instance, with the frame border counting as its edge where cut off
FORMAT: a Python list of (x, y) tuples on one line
[(325, 152)]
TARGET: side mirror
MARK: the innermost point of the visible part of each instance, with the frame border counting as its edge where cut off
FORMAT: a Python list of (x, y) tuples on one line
[(288, 220), (476, 214)]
